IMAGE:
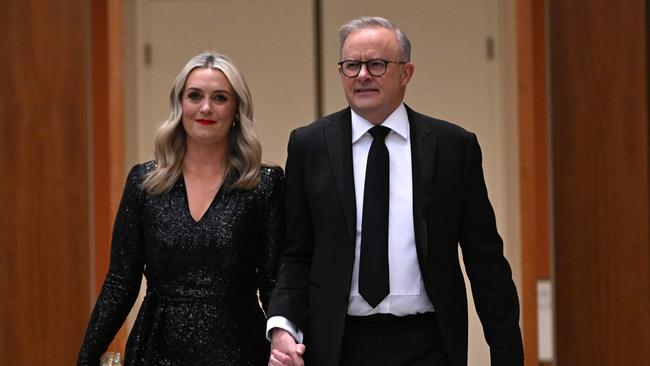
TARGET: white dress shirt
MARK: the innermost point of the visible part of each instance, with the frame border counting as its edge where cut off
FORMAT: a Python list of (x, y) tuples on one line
[(407, 294)]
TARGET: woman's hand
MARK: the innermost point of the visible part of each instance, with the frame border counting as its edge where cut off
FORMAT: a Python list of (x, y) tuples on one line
[(284, 350)]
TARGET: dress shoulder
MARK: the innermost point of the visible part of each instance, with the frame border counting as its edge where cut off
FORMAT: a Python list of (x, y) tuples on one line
[(140, 171), (271, 173), (271, 179)]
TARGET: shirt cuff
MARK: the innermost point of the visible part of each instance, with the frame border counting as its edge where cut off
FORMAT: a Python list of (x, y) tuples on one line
[(283, 323)]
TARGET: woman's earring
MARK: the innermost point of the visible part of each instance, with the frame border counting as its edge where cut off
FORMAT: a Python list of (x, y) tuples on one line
[(235, 120)]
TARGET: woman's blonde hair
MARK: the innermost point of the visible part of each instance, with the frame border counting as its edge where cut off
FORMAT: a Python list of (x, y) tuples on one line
[(244, 149)]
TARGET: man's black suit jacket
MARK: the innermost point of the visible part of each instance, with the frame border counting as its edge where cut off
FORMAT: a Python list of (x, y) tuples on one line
[(451, 207)]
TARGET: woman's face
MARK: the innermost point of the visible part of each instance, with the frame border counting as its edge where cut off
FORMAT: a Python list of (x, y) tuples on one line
[(209, 107)]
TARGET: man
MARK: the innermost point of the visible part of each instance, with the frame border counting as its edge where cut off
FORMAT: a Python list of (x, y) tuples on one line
[(370, 273)]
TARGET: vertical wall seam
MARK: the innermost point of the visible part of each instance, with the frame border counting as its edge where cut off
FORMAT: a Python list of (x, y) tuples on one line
[(90, 153), (318, 54)]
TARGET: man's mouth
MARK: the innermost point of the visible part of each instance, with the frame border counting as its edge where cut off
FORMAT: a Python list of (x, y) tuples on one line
[(366, 90)]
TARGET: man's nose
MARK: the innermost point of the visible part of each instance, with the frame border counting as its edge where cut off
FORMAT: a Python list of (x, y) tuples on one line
[(364, 74)]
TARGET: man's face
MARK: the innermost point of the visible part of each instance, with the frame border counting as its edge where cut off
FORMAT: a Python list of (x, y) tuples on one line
[(375, 97)]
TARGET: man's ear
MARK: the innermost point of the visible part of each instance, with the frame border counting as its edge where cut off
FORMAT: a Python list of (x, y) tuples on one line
[(407, 73)]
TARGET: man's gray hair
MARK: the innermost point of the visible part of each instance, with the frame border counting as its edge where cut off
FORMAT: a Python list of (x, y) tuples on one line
[(373, 22)]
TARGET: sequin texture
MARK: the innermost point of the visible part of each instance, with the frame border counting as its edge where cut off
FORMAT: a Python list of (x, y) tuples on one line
[(203, 277)]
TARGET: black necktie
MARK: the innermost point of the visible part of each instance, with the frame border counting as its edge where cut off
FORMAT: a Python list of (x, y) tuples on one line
[(374, 283)]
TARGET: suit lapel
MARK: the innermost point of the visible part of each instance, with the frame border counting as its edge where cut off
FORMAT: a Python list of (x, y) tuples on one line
[(423, 150), (338, 132)]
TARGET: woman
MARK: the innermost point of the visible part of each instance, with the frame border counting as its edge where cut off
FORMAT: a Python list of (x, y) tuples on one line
[(203, 223)]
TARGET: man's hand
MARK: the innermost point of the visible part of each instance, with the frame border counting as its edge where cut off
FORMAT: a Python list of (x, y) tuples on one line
[(284, 350)]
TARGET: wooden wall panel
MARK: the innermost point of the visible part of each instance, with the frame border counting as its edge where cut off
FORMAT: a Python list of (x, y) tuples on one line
[(533, 152), (44, 285), (599, 95), (108, 135)]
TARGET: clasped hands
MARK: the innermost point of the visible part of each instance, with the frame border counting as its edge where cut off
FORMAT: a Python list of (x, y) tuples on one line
[(284, 350)]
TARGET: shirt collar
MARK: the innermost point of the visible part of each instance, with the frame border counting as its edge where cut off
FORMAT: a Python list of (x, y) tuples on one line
[(397, 121)]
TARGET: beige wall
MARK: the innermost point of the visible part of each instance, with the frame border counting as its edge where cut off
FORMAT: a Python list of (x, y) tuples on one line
[(273, 42)]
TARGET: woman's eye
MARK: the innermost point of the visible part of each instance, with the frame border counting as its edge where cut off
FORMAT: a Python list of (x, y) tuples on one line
[(194, 96), (220, 98)]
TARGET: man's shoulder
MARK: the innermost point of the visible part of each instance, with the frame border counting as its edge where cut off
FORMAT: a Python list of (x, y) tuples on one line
[(436, 125), (317, 126), (448, 131), (338, 117)]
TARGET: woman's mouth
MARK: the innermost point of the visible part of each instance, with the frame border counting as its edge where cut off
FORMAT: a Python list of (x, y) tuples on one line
[(206, 122)]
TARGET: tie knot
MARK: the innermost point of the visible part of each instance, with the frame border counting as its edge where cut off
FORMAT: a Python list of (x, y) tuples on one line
[(379, 132)]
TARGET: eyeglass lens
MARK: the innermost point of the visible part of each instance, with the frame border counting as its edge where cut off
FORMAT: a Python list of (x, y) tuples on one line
[(374, 67)]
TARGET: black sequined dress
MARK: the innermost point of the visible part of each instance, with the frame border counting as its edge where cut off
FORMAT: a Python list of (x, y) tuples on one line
[(203, 277)]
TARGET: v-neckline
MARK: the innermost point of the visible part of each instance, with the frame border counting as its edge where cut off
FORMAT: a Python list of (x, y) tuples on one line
[(187, 201)]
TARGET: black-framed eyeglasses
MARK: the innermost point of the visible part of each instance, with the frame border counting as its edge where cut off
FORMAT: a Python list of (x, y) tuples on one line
[(376, 67)]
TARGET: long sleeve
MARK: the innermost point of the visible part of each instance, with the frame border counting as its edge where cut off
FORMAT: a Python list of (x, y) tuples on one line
[(290, 294), (494, 292), (272, 215), (122, 282)]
